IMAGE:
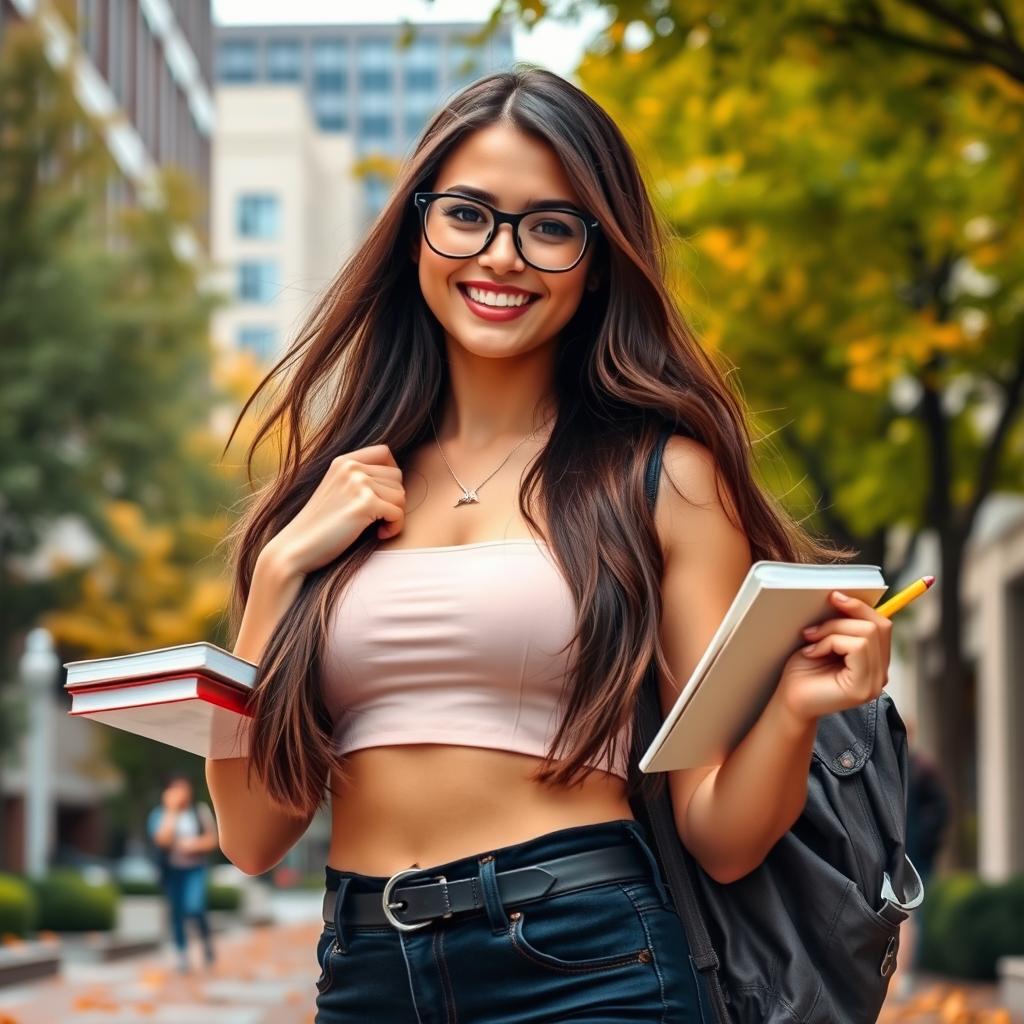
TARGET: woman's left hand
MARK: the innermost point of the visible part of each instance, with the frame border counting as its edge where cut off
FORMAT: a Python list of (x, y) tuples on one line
[(847, 665)]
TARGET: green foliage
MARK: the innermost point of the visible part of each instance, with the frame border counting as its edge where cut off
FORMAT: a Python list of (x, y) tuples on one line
[(105, 368), (68, 903), (138, 887), (18, 907), (970, 923), (223, 897), (106, 386), (847, 200)]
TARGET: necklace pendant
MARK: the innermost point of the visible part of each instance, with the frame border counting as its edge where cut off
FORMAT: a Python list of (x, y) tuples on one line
[(467, 499)]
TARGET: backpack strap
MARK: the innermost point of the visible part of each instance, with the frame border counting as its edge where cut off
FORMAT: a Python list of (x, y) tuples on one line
[(658, 811)]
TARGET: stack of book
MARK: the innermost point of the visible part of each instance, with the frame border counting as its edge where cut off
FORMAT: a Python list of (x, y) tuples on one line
[(190, 696)]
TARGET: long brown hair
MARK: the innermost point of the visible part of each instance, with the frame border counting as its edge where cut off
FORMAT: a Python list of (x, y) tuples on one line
[(627, 363)]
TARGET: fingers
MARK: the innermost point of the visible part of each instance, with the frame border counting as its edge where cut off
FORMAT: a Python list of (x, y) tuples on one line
[(858, 609), (867, 670)]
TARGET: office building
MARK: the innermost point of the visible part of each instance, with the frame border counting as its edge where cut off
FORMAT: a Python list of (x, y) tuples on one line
[(359, 80), (285, 214)]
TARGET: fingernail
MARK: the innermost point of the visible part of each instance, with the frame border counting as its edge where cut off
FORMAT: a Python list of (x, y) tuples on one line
[(840, 596), (810, 647)]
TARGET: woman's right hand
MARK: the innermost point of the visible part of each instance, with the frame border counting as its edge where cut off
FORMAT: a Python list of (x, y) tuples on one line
[(358, 488)]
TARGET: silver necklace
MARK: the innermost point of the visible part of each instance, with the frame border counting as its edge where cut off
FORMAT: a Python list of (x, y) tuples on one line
[(470, 497)]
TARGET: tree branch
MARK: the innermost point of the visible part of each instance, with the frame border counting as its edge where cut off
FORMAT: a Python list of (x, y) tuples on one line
[(885, 34), (961, 24), (835, 527), (1008, 27)]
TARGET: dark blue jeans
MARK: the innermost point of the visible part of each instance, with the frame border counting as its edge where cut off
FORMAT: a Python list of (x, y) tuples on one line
[(186, 893), (614, 951)]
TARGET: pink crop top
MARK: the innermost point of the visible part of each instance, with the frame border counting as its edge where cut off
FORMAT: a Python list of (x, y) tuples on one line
[(456, 644)]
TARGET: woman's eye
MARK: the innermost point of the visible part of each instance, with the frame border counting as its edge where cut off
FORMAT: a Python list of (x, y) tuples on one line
[(463, 209)]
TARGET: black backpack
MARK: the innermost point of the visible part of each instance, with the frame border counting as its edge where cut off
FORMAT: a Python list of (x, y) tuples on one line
[(810, 936)]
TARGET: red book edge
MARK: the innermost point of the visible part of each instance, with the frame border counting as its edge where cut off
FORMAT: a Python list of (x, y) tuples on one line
[(213, 691)]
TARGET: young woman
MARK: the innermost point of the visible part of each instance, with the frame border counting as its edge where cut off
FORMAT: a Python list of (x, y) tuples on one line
[(453, 588), (186, 832)]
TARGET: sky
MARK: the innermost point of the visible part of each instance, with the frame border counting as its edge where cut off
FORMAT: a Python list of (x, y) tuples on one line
[(555, 45)]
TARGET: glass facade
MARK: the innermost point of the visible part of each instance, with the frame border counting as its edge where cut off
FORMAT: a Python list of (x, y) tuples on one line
[(359, 79), (260, 339), (257, 280), (237, 61), (258, 215), (284, 60)]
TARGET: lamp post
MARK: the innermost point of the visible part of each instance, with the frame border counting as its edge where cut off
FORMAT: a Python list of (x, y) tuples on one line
[(37, 669)]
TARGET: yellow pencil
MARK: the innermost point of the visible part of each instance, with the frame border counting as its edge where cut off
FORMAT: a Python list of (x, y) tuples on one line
[(905, 596)]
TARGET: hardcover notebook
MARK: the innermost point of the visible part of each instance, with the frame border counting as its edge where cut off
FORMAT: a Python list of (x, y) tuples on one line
[(740, 667), (191, 696)]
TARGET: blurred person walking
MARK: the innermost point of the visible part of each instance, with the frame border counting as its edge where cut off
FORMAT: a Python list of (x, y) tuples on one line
[(927, 818), (185, 832)]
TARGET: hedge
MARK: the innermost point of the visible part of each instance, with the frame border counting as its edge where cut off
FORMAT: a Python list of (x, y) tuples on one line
[(968, 923), (223, 897), (18, 906), (67, 903), (138, 887)]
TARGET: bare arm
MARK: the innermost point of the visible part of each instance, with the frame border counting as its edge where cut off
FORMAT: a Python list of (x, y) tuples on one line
[(255, 831), (729, 815), (164, 835)]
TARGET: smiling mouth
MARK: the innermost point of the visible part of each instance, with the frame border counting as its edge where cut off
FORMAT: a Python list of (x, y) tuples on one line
[(529, 300)]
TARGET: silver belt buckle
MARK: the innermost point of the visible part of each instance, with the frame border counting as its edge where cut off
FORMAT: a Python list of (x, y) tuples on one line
[(389, 906)]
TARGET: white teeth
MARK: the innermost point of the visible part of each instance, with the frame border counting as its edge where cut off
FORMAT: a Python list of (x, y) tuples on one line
[(496, 298)]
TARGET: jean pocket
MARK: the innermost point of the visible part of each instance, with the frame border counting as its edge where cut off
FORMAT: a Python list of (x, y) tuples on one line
[(325, 955), (592, 929)]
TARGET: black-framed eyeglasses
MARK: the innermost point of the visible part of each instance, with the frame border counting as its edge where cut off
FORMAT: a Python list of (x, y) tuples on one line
[(549, 240)]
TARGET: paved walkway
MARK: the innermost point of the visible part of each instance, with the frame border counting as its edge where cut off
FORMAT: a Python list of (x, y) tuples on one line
[(261, 976), (267, 976)]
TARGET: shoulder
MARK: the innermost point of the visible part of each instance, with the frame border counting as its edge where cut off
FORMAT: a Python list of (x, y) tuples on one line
[(695, 502), (154, 817)]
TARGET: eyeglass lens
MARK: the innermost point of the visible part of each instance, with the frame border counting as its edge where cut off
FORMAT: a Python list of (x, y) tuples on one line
[(460, 227)]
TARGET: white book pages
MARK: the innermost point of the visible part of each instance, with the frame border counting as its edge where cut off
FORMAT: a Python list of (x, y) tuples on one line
[(738, 671), (201, 656)]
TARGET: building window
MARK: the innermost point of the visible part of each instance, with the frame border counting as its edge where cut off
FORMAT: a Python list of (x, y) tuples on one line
[(333, 122), (423, 51), (413, 126), (375, 126), (330, 81), (258, 216), (421, 80), (329, 110), (236, 60), (377, 52), (260, 339), (257, 280), (375, 79), (284, 60), (329, 55)]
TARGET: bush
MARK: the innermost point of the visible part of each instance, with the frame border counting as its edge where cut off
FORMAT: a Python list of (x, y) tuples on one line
[(67, 903), (970, 924), (223, 897), (139, 887), (18, 906)]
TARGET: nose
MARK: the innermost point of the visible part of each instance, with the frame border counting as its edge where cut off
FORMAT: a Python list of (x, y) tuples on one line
[(501, 254)]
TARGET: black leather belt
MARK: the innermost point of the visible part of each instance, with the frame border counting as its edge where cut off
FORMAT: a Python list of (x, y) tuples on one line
[(421, 903)]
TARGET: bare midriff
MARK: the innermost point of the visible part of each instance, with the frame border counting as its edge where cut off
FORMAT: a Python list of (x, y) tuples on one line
[(426, 804)]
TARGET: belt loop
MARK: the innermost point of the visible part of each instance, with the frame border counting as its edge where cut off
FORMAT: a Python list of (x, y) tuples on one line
[(492, 897), (637, 832), (339, 938)]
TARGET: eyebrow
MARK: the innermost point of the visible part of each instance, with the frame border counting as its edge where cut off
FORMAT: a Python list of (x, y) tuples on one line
[(490, 197)]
